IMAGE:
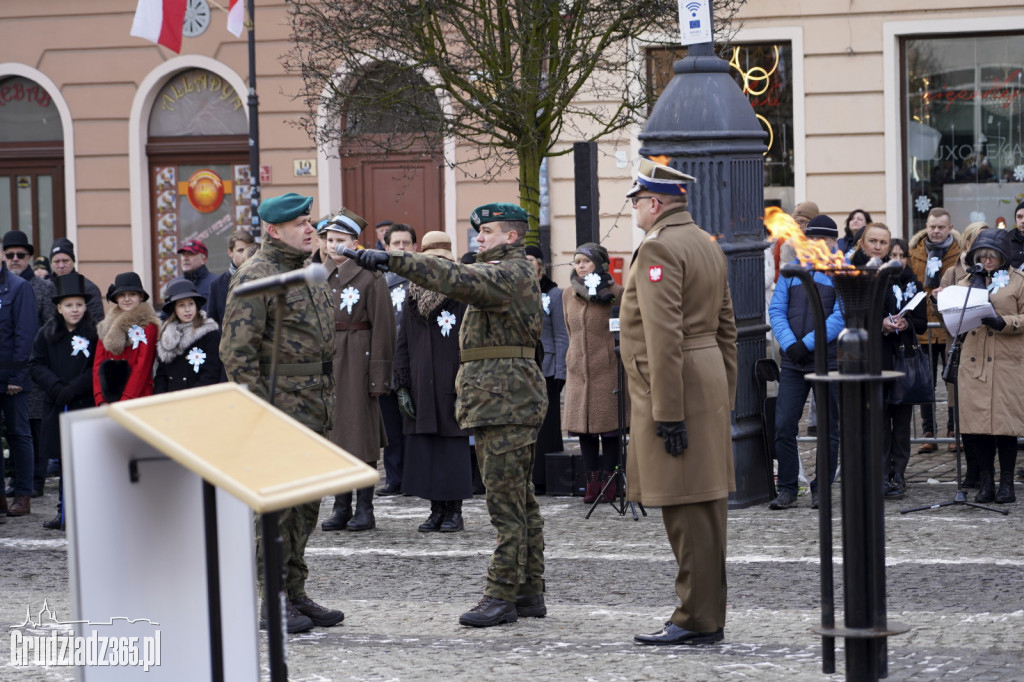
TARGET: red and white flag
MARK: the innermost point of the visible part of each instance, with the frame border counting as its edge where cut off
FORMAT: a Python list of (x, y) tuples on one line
[(160, 21), (236, 17)]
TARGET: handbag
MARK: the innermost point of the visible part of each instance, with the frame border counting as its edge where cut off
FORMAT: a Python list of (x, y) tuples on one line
[(915, 386)]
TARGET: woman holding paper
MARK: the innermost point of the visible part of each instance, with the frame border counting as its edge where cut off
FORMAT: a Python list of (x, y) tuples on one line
[(991, 364), (898, 330)]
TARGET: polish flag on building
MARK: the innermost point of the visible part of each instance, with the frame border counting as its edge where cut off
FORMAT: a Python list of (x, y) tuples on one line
[(160, 21), (236, 17)]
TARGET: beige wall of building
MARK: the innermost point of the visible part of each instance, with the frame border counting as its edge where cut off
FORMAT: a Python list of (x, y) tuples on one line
[(846, 95)]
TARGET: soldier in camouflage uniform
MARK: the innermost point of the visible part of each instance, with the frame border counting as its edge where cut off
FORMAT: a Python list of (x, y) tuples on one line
[(501, 396), (305, 380)]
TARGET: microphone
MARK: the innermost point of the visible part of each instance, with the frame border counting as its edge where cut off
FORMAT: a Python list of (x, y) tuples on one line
[(278, 284), (975, 269), (613, 321)]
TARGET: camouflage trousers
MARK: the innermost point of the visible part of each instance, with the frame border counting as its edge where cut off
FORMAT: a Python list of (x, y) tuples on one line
[(506, 455), (295, 524)]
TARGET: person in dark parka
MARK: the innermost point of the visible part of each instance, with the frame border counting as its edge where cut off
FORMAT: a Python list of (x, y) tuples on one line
[(438, 465), (188, 351), (61, 366)]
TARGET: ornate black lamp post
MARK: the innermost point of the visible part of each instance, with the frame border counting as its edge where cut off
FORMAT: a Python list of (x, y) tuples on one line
[(705, 126)]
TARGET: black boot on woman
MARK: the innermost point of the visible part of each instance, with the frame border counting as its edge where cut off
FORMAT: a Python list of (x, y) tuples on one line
[(986, 487), (341, 513), (433, 522), (1006, 494), (363, 519), (453, 517)]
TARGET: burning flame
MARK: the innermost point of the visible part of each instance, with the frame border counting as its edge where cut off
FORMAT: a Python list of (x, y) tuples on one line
[(813, 254), (663, 160)]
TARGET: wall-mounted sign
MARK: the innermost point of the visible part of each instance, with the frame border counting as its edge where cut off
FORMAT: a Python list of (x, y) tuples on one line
[(304, 167), (265, 175), (694, 21)]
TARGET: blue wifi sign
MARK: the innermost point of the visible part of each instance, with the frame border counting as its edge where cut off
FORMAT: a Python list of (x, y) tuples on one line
[(694, 21)]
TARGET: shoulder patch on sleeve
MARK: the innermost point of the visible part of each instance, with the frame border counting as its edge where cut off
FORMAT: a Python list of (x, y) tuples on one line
[(654, 273)]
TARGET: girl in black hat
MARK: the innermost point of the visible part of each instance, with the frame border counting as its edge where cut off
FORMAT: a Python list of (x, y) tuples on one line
[(61, 367), (188, 352), (127, 343)]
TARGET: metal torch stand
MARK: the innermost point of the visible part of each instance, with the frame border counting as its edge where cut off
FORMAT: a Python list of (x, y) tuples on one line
[(861, 381)]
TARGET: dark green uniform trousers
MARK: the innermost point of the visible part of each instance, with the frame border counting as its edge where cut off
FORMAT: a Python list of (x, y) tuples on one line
[(697, 535), (295, 524), (506, 455)]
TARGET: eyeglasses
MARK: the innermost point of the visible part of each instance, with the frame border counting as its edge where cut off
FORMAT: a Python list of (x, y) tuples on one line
[(17, 255), (634, 200)]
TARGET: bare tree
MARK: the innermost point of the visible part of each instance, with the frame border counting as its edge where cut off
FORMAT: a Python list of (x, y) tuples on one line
[(510, 77)]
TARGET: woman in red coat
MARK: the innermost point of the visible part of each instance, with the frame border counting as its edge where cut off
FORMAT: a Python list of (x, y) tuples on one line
[(123, 368)]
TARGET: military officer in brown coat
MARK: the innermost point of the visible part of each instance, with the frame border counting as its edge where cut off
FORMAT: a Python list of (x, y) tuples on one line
[(678, 344), (364, 332)]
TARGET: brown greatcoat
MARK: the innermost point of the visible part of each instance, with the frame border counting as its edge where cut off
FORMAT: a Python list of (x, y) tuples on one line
[(362, 364), (918, 259), (591, 376), (992, 364), (678, 342)]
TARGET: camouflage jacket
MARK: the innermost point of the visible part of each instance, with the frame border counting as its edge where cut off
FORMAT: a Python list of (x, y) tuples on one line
[(503, 294), (305, 382)]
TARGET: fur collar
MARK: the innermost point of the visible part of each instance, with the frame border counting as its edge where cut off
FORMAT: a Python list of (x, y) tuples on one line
[(178, 337), (425, 300), (113, 330)]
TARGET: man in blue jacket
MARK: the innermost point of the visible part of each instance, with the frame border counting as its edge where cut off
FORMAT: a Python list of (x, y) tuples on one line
[(792, 322), (17, 331)]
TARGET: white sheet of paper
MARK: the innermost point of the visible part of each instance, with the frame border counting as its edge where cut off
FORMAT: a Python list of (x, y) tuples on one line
[(951, 304), (913, 302)]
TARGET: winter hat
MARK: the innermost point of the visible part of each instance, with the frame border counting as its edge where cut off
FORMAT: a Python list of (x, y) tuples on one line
[(822, 226), (41, 262), (178, 289), (597, 254), (1019, 207), (63, 246), (535, 251), (806, 209), (436, 243), (126, 281)]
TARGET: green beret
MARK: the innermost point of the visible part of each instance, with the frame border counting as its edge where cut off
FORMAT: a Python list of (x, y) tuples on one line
[(489, 213), (278, 210)]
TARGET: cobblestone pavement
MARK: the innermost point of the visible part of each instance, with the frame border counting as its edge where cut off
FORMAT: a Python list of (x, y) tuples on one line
[(954, 575)]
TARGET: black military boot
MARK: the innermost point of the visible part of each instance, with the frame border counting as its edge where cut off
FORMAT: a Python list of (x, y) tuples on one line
[(452, 517), (433, 522), (320, 615), (1005, 494), (490, 611), (295, 622), (341, 514), (363, 519), (986, 487)]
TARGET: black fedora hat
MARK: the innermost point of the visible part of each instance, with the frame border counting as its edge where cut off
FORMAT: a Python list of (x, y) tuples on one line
[(178, 289), (126, 281), (70, 285)]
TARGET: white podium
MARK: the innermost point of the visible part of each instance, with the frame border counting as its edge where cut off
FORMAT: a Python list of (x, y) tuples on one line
[(156, 554)]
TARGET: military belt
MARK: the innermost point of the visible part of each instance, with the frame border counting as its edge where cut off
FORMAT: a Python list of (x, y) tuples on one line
[(698, 341), (302, 369), (494, 352), (352, 326)]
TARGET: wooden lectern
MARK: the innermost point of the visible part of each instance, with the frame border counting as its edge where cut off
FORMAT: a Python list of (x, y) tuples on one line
[(160, 493)]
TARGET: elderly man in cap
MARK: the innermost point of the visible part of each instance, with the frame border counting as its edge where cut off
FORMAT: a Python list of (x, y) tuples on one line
[(678, 345), (305, 383), (62, 260), (193, 267), (501, 395)]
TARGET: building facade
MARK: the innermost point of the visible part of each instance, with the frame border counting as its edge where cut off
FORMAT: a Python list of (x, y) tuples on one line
[(129, 149)]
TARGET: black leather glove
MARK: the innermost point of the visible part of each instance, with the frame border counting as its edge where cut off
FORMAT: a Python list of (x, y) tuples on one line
[(674, 434), (797, 353), (405, 404), (368, 259), (65, 396), (997, 323)]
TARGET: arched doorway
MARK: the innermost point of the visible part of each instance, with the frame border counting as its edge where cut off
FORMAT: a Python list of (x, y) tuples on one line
[(199, 183), (405, 186), (31, 163)]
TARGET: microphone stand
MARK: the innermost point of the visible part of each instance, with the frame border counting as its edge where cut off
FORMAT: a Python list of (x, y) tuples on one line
[(619, 475), (950, 375)]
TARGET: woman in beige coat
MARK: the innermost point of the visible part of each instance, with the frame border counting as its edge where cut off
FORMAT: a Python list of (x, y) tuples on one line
[(991, 364), (591, 377)]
